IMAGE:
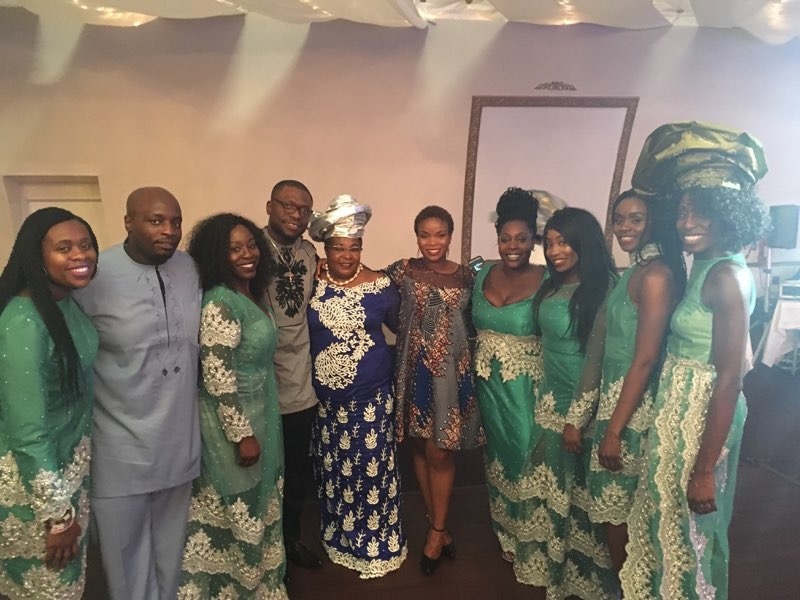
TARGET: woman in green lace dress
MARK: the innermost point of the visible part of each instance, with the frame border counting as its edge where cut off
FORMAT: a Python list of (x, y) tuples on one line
[(47, 351), (636, 318), (234, 541), (507, 367), (568, 555), (678, 525)]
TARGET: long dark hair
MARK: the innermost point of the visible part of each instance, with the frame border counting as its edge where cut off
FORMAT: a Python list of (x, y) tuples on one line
[(596, 271), (209, 247), (25, 270), (662, 212)]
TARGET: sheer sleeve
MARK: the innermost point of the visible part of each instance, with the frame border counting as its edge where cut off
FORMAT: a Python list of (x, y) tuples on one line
[(392, 319), (220, 334), (397, 271), (587, 392), (30, 473)]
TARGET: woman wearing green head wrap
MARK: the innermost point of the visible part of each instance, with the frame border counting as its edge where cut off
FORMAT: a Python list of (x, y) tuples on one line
[(678, 525)]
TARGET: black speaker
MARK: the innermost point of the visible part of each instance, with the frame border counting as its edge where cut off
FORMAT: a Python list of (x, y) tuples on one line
[(784, 226)]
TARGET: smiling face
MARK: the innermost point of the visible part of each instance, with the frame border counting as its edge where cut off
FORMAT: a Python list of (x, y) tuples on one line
[(561, 255), (433, 239), (344, 256), (696, 230), (69, 257), (289, 210), (154, 224), (243, 255), (515, 244), (630, 224)]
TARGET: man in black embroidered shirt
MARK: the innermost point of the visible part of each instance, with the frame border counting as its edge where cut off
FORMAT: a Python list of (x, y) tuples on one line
[(288, 210)]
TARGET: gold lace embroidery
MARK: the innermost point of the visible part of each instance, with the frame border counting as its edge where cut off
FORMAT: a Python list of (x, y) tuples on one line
[(200, 556), (12, 490), (613, 505), (218, 380), (546, 415), (369, 568), (344, 316), (535, 527), (542, 483), (215, 330), (535, 571), (207, 508), (235, 425), (27, 539), (42, 582), (684, 411), (51, 491), (192, 591), (642, 417), (584, 542), (677, 430), (576, 584), (581, 409), (517, 355)]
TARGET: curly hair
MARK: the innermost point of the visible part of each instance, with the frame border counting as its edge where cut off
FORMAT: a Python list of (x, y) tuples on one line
[(661, 216), (25, 270), (209, 246), (596, 271), (434, 212), (739, 217), (516, 204)]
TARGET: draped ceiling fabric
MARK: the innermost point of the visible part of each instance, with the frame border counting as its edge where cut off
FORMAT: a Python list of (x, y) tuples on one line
[(772, 21)]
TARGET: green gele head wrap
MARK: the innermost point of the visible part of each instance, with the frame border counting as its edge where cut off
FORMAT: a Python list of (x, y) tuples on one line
[(679, 156)]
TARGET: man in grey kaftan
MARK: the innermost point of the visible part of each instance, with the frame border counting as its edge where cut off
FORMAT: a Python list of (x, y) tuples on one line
[(145, 304)]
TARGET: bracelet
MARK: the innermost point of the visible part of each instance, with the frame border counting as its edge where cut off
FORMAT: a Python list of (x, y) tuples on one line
[(63, 523)]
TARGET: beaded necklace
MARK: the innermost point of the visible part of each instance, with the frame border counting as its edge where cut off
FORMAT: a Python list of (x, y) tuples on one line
[(346, 281)]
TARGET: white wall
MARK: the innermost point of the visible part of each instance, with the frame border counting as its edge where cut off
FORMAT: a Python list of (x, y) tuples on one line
[(217, 110)]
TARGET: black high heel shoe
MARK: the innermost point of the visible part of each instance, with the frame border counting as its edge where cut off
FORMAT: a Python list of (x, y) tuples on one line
[(428, 564)]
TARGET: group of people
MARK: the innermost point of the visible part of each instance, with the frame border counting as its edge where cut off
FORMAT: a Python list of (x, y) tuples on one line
[(612, 405), (609, 406)]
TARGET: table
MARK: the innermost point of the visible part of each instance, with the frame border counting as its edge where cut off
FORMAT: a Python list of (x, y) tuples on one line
[(783, 335)]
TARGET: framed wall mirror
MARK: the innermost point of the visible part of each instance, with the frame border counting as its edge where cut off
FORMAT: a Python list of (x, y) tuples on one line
[(573, 148)]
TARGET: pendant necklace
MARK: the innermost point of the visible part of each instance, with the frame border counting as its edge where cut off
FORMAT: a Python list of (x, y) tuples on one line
[(278, 251), (346, 281)]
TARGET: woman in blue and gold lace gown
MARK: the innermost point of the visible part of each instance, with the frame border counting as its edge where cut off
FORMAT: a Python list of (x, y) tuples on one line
[(354, 445), (234, 540), (47, 351)]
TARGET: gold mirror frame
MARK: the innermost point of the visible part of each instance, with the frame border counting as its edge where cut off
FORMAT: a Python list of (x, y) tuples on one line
[(630, 105)]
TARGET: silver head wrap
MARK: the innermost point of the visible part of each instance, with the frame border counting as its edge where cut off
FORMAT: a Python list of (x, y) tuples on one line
[(344, 217)]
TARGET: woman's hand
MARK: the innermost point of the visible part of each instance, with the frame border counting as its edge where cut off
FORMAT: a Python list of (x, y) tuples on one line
[(572, 438), (249, 451), (610, 451), (701, 493), (62, 547)]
